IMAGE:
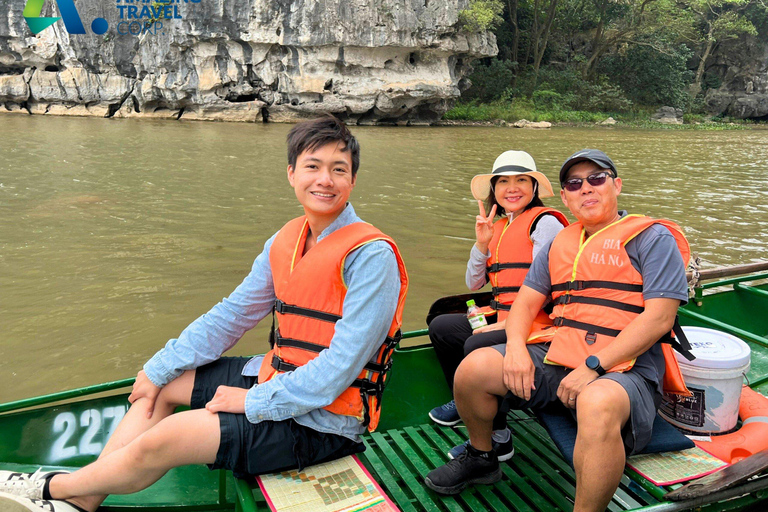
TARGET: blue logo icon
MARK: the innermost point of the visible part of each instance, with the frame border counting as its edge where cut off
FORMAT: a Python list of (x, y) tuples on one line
[(72, 21)]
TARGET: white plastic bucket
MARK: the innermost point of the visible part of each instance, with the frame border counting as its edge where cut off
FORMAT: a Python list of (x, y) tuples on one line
[(715, 378)]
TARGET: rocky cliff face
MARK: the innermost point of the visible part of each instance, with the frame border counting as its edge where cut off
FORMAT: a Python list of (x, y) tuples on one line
[(742, 66), (368, 61)]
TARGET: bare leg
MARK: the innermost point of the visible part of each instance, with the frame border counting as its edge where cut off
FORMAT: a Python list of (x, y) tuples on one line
[(477, 385), (190, 437), (602, 409), (135, 423)]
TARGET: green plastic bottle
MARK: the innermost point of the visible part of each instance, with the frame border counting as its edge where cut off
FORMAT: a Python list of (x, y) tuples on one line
[(474, 315)]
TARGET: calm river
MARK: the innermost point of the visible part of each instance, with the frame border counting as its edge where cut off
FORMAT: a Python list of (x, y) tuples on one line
[(118, 233)]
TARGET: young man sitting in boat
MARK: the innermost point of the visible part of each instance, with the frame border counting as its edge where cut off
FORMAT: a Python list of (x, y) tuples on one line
[(337, 287), (616, 281)]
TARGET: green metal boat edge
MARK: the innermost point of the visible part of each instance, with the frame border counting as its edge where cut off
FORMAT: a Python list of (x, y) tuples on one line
[(699, 311)]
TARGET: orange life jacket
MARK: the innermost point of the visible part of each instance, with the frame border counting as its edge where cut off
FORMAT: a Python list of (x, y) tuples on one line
[(597, 292), (511, 256), (310, 291)]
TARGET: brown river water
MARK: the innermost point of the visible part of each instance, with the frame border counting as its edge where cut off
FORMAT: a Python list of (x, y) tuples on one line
[(115, 234)]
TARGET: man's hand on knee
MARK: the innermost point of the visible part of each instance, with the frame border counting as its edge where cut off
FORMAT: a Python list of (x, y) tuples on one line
[(573, 384), (143, 388), (228, 399), (519, 373)]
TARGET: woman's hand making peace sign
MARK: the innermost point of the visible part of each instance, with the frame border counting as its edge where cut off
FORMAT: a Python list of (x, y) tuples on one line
[(484, 228)]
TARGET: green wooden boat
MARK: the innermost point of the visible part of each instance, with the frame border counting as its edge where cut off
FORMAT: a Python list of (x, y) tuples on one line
[(68, 429)]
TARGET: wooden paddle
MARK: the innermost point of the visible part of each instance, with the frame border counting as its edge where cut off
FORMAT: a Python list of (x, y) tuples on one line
[(457, 304), (723, 479)]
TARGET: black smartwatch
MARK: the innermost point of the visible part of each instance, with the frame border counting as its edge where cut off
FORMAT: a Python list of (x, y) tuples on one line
[(593, 363)]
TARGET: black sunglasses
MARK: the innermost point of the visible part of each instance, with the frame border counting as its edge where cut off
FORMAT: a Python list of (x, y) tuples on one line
[(594, 180)]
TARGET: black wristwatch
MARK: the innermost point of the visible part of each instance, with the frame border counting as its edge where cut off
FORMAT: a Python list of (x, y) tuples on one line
[(593, 363)]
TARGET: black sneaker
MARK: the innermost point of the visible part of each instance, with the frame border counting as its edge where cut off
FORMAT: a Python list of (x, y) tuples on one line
[(504, 451), (467, 468)]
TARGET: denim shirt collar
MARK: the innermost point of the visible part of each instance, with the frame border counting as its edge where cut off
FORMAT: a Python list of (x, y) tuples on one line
[(345, 218)]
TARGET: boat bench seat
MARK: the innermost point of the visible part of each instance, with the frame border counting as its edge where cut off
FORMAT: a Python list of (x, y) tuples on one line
[(537, 478)]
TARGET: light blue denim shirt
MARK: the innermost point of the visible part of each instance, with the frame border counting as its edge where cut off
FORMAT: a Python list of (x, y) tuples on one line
[(373, 282)]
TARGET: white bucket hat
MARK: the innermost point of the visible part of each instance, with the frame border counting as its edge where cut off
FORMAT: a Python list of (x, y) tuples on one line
[(510, 163)]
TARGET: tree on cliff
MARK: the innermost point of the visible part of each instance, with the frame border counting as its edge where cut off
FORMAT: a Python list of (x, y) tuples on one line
[(615, 24), (717, 21), (481, 15)]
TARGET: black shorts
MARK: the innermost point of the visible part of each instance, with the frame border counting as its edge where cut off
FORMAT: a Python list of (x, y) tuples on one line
[(269, 446)]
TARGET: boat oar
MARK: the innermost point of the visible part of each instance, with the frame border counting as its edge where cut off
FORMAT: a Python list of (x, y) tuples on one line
[(733, 270), (725, 478)]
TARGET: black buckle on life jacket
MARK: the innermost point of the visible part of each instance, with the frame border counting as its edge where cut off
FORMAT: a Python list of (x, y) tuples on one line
[(565, 299), (281, 366), (497, 267), (392, 341), (288, 309), (558, 321), (498, 306), (370, 388), (590, 338), (377, 367)]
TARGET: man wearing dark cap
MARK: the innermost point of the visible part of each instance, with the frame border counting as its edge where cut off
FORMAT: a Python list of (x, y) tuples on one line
[(615, 282)]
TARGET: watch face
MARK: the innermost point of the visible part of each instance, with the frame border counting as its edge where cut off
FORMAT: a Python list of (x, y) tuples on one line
[(592, 362)]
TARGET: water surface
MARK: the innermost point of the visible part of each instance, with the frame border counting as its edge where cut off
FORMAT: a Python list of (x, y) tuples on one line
[(118, 233)]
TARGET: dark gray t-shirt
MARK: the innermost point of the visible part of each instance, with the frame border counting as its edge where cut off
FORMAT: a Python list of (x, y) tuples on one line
[(655, 255)]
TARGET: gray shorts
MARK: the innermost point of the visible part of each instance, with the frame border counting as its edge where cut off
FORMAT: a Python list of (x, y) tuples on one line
[(643, 398)]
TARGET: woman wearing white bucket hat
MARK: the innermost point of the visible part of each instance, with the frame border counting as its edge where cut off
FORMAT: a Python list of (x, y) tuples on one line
[(502, 253)]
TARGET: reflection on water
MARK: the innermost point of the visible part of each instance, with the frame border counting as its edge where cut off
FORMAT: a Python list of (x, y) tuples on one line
[(117, 233)]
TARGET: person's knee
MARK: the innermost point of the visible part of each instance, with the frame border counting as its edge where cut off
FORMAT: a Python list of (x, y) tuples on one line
[(148, 446), (601, 413), (151, 448), (177, 392), (473, 343), (476, 370), (439, 326)]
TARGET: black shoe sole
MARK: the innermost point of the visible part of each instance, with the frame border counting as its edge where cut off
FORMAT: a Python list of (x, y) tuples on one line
[(490, 478)]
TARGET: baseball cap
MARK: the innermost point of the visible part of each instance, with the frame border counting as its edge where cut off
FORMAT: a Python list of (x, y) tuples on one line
[(587, 155)]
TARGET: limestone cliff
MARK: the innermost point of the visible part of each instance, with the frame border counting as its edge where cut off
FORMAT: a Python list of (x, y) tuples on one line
[(369, 61), (742, 67)]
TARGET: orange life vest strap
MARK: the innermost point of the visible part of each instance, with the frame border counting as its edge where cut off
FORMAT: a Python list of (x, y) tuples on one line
[(287, 309), (364, 385), (496, 267), (568, 299), (496, 305), (583, 285), (316, 347), (373, 385), (590, 328), (679, 342), (498, 290)]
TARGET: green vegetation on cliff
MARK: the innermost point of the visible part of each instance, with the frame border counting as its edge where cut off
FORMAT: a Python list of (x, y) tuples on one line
[(583, 60)]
